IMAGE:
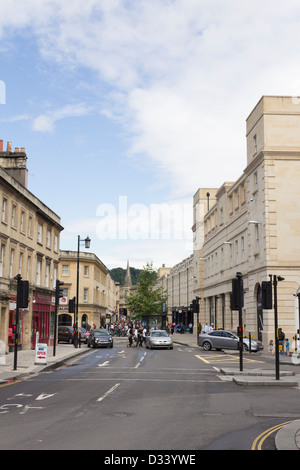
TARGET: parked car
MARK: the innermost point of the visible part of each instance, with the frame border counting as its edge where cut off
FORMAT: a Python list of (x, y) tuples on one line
[(100, 337), (223, 339), (65, 334), (159, 339), (84, 334)]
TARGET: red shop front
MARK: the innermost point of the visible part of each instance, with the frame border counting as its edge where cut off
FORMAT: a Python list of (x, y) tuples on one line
[(43, 313)]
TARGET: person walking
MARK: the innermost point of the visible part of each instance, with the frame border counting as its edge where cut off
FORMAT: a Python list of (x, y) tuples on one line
[(130, 337)]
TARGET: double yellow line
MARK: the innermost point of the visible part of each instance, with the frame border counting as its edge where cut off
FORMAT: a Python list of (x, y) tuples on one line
[(258, 442)]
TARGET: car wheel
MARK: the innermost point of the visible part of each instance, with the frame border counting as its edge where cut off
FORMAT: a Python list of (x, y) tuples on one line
[(70, 340), (245, 347), (206, 346)]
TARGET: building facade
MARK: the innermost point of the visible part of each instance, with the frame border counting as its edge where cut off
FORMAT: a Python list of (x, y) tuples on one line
[(29, 246), (98, 294), (253, 227)]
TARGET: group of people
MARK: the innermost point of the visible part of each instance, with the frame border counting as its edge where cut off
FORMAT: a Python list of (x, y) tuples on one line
[(207, 328), (136, 335), (284, 344)]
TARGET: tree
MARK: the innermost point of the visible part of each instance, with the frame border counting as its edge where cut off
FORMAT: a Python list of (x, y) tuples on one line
[(147, 298)]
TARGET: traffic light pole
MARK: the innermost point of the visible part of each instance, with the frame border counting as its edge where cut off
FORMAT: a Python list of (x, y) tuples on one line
[(16, 338), (276, 329)]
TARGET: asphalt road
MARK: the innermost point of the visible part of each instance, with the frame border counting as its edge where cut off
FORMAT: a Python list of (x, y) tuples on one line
[(140, 399)]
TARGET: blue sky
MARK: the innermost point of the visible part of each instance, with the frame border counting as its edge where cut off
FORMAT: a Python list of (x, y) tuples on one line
[(126, 108)]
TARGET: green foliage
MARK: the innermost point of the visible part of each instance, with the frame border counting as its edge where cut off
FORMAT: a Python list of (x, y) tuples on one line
[(147, 298), (118, 275)]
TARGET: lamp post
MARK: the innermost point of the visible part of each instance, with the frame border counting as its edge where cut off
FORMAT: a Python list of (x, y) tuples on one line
[(87, 243)]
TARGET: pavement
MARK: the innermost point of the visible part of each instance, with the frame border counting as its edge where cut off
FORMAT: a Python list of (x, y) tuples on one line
[(287, 438)]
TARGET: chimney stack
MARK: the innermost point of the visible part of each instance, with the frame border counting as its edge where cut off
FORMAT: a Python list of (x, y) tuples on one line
[(14, 163)]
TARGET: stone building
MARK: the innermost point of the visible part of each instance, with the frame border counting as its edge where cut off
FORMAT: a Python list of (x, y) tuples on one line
[(29, 246), (253, 227), (98, 294)]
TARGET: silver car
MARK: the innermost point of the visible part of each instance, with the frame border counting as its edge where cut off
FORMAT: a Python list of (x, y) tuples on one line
[(159, 339), (222, 339)]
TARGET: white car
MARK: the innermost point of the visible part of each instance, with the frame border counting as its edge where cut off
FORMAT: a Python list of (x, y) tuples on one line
[(159, 339)]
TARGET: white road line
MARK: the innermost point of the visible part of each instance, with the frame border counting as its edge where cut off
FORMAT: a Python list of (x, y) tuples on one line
[(108, 392), (104, 364)]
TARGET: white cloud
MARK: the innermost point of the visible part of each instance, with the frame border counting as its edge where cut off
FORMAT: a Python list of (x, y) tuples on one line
[(46, 122)]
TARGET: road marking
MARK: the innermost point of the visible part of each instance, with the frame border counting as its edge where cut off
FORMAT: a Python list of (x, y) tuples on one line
[(202, 359), (226, 358), (104, 364), (108, 392), (258, 442), (140, 361)]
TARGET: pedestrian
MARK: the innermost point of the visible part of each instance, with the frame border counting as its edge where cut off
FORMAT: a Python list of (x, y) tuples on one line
[(205, 328), (271, 347), (135, 337), (140, 337), (144, 335), (211, 328), (287, 347), (130, 337), (281, 337)]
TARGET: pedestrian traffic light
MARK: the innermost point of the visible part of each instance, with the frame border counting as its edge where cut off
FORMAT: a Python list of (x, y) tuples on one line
[(23, 294), (266, 294)]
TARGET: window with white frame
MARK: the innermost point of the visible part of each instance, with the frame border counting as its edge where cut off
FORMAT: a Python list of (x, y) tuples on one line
[(54, 276), (38, 271), (11, 262), (65, 270), (243, 248), (20, 263), (257, 237), (40, 233), (55, 242), (85, 271), (2, 259), (85, 294), (47, 277), (14, 216), (30, 226), (28, 267), (4, 210), (255, 143), (22, 221), (48, 238)]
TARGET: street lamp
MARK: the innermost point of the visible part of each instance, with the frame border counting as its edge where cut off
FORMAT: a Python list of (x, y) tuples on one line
[(87, 243)]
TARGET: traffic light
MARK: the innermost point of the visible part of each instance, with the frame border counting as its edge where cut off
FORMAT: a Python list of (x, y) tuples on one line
[(266, 294), (237, 294), (72, 305), (23, 294), (59, 290), (240, 333)]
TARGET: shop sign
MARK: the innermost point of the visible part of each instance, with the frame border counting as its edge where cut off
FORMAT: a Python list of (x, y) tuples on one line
[(41, 353)]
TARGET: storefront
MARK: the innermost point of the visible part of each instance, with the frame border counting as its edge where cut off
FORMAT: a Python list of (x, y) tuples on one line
[(43, 317)]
